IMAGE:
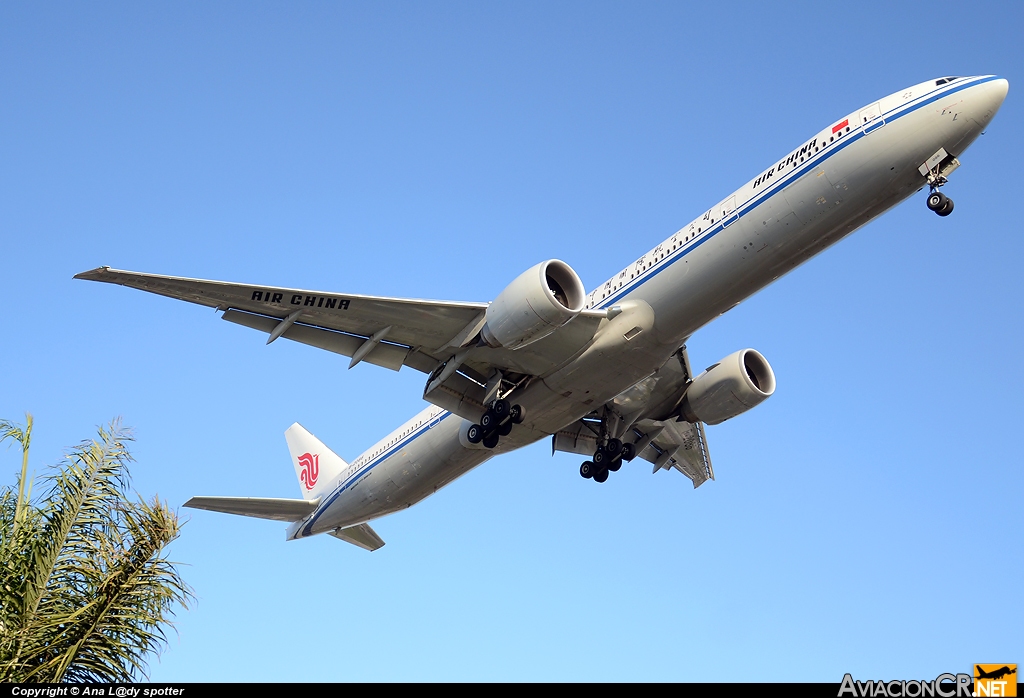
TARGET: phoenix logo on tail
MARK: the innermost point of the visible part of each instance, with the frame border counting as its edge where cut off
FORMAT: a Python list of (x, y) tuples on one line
[(310, 464)]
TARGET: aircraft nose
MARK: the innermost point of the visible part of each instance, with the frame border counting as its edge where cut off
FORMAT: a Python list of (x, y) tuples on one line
[(990, 97), (997, 92)]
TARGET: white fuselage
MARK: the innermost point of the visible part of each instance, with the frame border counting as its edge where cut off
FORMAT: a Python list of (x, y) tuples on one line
[(828, 187)]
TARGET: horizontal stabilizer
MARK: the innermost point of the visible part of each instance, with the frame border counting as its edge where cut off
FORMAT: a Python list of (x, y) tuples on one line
[(361, 535), (258, 507)]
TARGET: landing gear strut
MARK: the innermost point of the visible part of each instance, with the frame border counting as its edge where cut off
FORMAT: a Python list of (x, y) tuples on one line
[(937, 201), (497, 421)]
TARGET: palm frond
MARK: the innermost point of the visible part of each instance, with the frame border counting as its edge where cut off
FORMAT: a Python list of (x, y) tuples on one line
[(23, 436), (87, 592)]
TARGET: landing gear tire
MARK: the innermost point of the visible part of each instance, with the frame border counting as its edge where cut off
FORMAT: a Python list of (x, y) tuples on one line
[(614, 447), (947, 208), (516, 413), (628, 452), (489, 420), (500, 408), (615, 464), (475, 434), (587, 469), (491, 441), (936, 200), (505, 429), (600, 457), (601, 475)]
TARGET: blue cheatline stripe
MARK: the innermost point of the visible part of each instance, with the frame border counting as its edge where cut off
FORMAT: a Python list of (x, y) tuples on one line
[(751, 204), (372, 464)]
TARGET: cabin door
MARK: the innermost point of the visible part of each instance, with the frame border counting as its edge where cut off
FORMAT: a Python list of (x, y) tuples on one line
[(871, 118)]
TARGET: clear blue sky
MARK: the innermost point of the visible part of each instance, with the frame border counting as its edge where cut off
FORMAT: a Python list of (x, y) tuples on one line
[(866, 519)]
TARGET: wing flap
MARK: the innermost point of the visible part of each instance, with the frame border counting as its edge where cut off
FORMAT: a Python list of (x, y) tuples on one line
[(684, 444), (575, 438), (257, 507), (385, 354)]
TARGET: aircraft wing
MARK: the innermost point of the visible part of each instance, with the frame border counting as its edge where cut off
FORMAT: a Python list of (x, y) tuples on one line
[(336, 322), (388, 332)]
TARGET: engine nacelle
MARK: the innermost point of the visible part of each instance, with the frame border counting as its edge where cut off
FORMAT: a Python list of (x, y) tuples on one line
[(538, 302), (730, 387)]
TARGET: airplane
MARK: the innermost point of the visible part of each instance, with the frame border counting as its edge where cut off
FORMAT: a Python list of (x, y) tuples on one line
[(995, 674), (603, 374)]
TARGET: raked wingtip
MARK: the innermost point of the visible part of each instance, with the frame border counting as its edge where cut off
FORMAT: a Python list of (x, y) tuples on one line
[(96, 274)]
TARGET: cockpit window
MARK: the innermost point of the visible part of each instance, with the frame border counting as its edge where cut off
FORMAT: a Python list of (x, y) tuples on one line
[(943, 81)]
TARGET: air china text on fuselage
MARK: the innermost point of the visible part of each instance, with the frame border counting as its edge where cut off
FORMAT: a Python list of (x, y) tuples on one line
[(605, 374)]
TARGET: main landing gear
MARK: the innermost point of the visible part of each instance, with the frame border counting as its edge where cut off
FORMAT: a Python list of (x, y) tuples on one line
[(497, 421), (607, 457)]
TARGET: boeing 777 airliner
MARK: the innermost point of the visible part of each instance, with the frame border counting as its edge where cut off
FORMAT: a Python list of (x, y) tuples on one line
[(604, 374)]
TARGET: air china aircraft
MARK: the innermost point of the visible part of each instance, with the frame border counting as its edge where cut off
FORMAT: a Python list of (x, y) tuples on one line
[(605, 374)]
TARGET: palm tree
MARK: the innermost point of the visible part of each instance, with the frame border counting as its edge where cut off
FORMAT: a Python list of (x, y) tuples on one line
[(85, 591)]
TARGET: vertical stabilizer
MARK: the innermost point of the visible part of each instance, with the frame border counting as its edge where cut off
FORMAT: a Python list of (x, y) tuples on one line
[(316, 466)]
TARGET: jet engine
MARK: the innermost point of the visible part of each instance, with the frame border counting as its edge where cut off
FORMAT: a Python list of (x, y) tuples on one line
[(730, 387), (538, 302)]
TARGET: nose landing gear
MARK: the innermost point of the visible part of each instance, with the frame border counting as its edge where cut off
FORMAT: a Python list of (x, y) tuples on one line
[(935, 171), (940, 203)]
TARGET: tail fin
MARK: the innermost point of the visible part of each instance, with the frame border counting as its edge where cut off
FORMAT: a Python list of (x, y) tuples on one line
[(316, 466)]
